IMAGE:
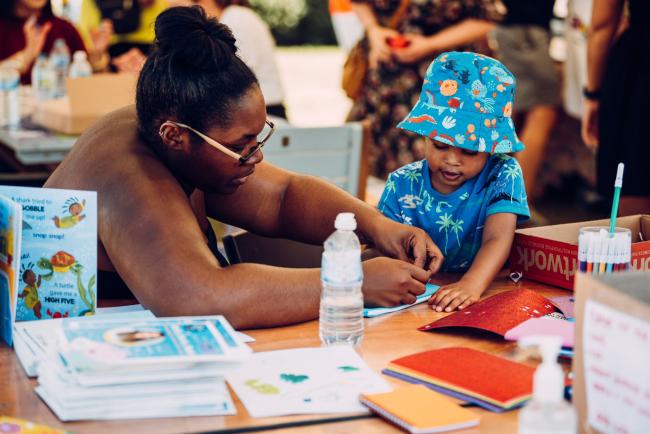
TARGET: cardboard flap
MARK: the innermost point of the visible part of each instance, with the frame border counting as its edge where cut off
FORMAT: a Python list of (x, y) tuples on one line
[(100, 94), (568, 232)]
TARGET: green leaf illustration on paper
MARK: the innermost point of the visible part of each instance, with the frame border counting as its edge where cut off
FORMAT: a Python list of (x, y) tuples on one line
[(291, 378), (348, 368), (262, 388)]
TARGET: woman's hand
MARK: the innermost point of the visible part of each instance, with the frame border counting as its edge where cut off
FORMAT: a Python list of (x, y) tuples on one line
[(379, 49), (407, 243), (389, 282), (590, 123), (101, 36), (35, 36), (131, 61), (418, 48)]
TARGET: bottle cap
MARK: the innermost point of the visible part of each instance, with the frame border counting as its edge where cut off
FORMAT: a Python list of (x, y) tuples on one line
[(345, 221), (79, 56)]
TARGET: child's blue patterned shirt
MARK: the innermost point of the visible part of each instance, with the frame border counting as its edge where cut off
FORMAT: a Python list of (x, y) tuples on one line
[(455, 221)]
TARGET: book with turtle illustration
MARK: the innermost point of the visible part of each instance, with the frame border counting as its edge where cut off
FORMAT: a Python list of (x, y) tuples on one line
[(58, 257), (10, 218)]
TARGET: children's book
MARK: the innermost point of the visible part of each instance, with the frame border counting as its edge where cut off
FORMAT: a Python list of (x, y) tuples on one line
[(498, 313), (418, 409), (491, 382), (110, 344), (14, 425), (58, 258), (372, 312), (10, 220), (304, 381), (544, 326)]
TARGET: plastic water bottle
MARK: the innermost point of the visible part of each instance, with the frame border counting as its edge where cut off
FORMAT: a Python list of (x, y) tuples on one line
[(9, 95), (43, 79), (341, 303), (80, 66), (60, 61)]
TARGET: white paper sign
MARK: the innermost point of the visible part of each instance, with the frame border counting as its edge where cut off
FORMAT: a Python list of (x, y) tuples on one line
[(617, 370)]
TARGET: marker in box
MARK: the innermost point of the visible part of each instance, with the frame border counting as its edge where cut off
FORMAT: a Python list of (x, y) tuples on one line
[(590, 251), (596, 243), (582, 251), (603, 258)]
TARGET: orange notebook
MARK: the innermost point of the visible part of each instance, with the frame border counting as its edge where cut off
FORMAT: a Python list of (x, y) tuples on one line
[(492, 382), (14, 425), (418, 409)]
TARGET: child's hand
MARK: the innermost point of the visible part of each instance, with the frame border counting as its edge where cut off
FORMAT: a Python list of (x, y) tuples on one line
[(454, 296)]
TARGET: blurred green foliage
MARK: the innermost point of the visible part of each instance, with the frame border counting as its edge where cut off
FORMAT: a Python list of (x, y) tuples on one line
[(297, 22)]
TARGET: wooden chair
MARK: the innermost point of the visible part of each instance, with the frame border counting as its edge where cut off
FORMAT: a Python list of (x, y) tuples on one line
[(244, 246), (337, 154)]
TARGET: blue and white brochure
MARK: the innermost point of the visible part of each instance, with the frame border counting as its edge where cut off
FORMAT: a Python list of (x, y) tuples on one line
[(58, 262), (115, 343)]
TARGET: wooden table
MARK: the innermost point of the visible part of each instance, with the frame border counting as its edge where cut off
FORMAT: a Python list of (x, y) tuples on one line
[(386, 338)]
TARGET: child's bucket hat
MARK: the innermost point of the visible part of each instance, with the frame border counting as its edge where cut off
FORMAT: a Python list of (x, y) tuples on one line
[(466, 101)]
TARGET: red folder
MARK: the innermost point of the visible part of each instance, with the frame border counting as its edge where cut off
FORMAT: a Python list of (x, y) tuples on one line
[(498, 313)]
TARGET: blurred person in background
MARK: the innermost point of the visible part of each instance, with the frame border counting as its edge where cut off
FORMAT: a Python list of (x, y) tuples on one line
[(522, 40), (395, 75), (126, 24), (255, 45), (29, 28), (616, 94)]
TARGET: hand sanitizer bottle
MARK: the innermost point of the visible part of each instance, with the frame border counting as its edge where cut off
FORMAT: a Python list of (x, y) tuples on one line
[(548, 412)]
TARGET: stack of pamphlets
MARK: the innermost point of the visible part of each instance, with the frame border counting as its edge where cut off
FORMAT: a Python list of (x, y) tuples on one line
[(121, 368)]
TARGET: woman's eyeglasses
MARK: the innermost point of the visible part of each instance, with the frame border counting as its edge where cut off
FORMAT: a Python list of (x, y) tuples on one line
[(265, 134)]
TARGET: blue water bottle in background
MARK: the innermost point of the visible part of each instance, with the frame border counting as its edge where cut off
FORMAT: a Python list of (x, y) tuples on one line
[(341, 303), (80, 66), (60, 61), (9, 95)]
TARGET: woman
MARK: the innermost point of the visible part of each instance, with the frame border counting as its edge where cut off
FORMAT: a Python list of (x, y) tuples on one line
[(254, 43), (125, 28), (616, 96), (194, 149), (29, 28), (395, 75)]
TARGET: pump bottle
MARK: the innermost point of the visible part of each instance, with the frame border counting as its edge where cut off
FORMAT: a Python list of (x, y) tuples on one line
[(547, 412)]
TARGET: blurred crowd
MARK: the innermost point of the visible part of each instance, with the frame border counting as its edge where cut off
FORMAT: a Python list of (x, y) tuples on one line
[(592, 89)]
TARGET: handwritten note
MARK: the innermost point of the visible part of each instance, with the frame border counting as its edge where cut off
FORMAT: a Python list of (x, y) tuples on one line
[(616, 361)]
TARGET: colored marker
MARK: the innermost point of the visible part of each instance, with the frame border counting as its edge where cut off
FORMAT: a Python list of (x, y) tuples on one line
[(582, 251), (590, 251), (597, 242), (603, 258), (618, 183)]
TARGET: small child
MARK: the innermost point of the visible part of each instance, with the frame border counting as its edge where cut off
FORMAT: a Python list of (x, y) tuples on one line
[(467, 194)]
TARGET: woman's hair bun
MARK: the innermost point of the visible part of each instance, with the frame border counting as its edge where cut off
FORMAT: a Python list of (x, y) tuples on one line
[(193, 40)]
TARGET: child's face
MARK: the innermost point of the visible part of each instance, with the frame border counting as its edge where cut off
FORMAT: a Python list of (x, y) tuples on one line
[(450, 166), (75, 209)]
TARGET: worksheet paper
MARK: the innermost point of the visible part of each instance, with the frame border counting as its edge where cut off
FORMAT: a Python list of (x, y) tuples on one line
[(617, 370), (305, 381)]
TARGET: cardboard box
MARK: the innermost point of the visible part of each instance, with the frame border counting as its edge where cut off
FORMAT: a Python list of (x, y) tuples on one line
[(88, 99), (611, 389), (549, 254)]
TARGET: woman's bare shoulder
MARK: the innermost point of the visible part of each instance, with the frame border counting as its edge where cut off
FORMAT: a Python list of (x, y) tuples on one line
[(110, 155)]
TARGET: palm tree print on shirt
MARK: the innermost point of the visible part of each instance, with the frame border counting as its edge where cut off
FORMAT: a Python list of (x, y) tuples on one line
[(447, 223)]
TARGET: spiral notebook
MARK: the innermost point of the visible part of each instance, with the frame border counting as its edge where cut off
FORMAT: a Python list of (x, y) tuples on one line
[(418, 409)]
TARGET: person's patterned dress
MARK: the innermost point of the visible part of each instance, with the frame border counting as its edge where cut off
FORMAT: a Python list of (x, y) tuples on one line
[(393, 88)]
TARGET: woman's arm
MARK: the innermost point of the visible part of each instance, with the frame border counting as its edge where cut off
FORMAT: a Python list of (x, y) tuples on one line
[(605, 20), (276, 202), (462, 33), (376, 33), (498, 234)]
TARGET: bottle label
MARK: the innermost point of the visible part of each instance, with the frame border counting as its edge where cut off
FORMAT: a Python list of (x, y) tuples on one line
[(341, 267)]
